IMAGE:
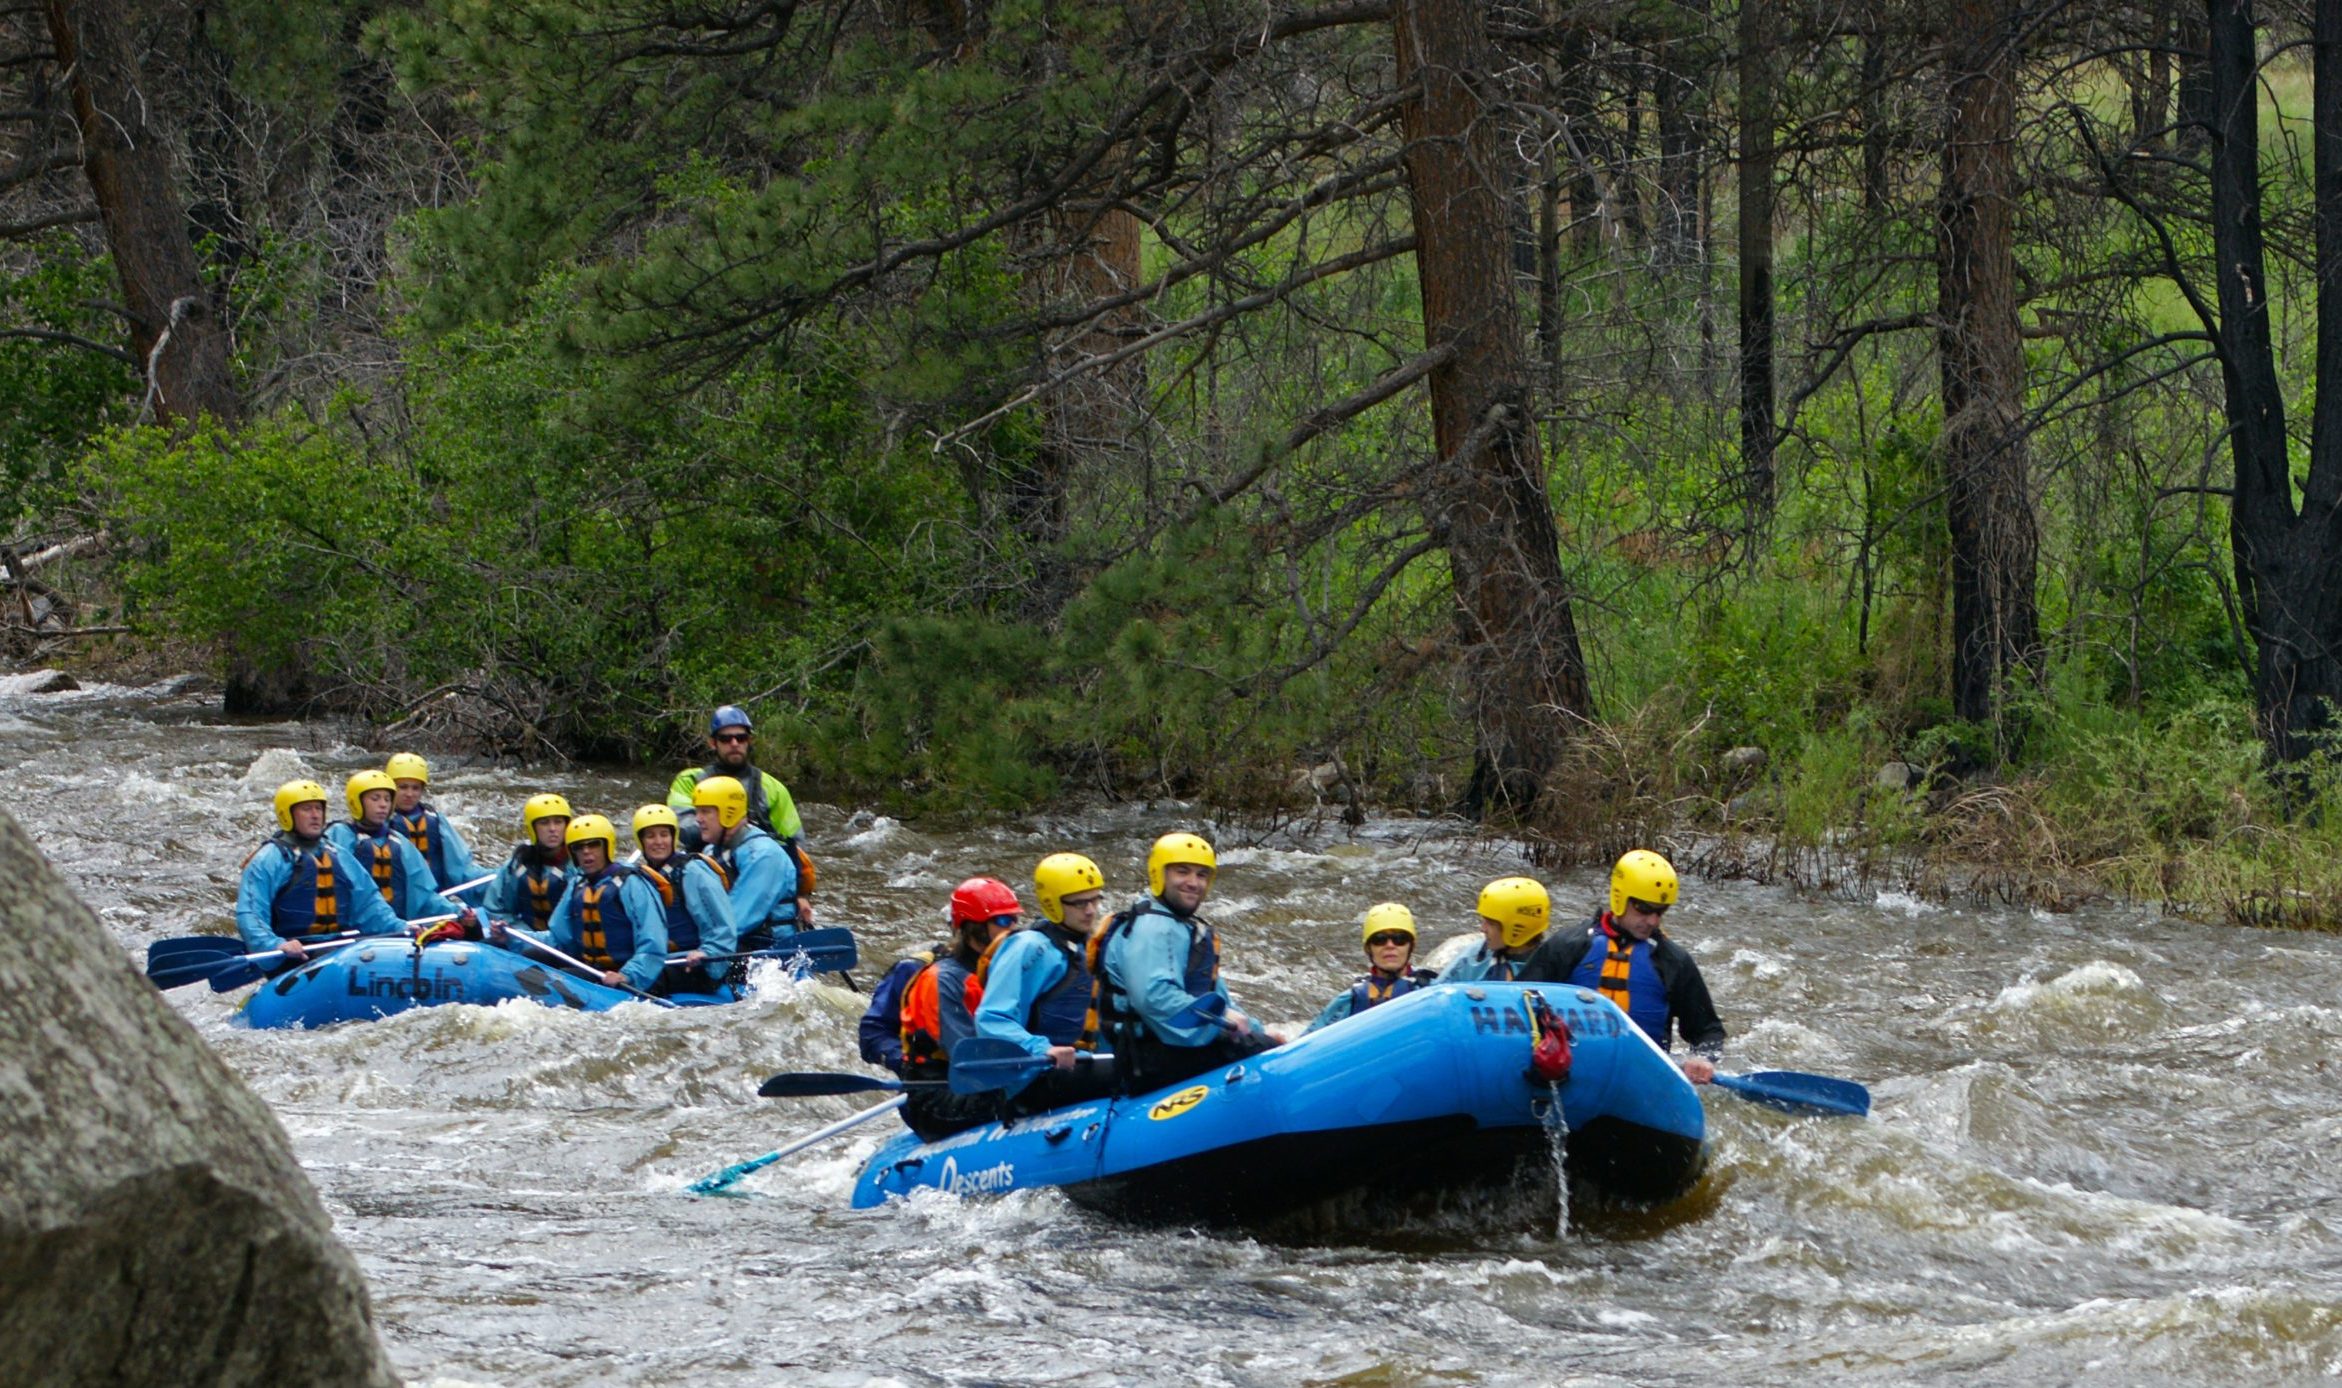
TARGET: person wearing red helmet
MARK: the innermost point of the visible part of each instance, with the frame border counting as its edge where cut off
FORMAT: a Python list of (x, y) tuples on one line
[(939, 1008)]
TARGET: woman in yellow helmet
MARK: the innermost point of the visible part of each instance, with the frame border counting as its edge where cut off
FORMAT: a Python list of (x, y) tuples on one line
[(1513, 912), (610, 916), (699, 911), (1389, 936), (374, 848), (1623, 954)]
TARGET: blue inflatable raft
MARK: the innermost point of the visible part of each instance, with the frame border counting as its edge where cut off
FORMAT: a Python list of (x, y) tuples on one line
[(368, 980), (1435, 1080)]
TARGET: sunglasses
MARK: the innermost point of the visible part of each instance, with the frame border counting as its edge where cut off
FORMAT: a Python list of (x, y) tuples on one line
[(732, 737), (1645, 907), (1388, 937)]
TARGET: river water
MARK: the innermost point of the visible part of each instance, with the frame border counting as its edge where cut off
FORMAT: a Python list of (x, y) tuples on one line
[(2100, 1152)]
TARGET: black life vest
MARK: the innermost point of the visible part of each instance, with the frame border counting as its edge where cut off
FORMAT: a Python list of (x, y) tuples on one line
[(760, 810)]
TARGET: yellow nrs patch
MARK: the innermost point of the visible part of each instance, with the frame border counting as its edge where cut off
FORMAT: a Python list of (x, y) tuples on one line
[(1180, 1102)]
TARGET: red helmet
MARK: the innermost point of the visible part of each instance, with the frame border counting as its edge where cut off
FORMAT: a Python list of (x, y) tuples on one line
[(983, 899)]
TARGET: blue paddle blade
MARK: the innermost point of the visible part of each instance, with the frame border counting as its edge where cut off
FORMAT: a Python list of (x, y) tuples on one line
[(186, 949), (179, 975), (1794, 1092), (237, 972)]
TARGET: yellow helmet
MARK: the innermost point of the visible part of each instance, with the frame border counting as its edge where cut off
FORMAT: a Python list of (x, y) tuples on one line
[(406, 766), (545, 806), (1177, 848), (293, 793), (655, 817), (1388, 916), (729, 797), (588, 827), (1645, 876), (361, 783), (1520, 904), (1061, 875)]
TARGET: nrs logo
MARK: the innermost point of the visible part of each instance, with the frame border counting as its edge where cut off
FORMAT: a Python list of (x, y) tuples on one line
[(1179, 1103), (990, 1181)]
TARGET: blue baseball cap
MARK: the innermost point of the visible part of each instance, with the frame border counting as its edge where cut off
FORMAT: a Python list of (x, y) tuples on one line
[(729, 716)]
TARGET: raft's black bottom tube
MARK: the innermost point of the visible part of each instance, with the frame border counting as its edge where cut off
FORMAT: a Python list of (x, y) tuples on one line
[(1253, 1181)]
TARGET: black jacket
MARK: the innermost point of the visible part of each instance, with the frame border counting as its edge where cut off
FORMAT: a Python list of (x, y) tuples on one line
[(1688, 1005)]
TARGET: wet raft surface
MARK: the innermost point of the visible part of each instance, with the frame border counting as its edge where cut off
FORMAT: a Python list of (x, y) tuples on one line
[(2101, 1152)]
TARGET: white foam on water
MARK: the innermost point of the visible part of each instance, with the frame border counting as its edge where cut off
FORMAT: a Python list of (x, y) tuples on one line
[(881, 830), (1449, 950), (1758, 965), (1906, 903), (273, 768)]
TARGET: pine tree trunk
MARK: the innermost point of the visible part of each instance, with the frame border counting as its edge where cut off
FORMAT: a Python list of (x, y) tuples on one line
[(128, 162), (1488, 501), (2288, 558), (1757, 432), (1995, 631)]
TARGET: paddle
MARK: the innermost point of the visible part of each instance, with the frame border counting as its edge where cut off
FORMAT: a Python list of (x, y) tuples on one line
[(819, 961), (812, 1084), (581, 967), (983, 1064), (829, 951), (482, 880), (235, 973), (186, 949), (194, 968), (721, 1181), (251, 968), (1795, 1092)]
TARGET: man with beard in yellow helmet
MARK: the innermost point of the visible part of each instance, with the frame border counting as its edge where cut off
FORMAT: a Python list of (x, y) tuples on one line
[(1389, 935), (1623, 954), (1513, 912), (1152, 965)]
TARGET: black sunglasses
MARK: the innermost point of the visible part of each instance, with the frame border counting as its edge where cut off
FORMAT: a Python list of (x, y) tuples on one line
[(1388, 937), (733, 737), (1632, 904)]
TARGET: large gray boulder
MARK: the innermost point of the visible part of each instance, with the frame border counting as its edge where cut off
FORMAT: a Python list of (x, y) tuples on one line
[(154, 1228)]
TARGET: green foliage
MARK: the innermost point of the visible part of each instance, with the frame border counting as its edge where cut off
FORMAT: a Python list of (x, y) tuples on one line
[(59, 395)]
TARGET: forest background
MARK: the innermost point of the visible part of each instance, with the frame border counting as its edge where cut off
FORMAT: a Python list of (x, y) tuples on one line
[(1843, 442)]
